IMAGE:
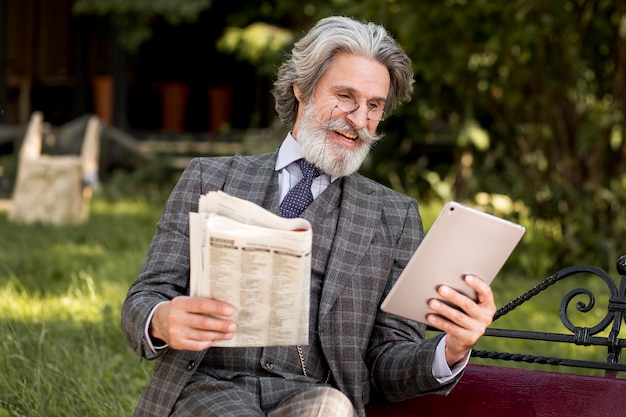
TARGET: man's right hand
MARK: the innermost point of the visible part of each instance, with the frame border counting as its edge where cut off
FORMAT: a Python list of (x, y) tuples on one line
[(190, 323)]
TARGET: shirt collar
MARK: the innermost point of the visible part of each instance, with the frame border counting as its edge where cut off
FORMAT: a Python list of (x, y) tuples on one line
[(289, 152)]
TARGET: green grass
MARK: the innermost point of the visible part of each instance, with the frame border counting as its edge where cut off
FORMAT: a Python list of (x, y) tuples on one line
[(61, 289)]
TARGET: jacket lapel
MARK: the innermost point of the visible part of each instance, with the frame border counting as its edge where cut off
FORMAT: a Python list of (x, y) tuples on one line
[(254, 178)]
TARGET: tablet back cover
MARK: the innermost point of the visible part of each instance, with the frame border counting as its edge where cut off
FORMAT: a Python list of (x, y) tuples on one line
[(461, 241)]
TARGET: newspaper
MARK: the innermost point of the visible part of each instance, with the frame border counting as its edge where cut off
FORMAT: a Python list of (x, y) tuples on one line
[(257, 261)]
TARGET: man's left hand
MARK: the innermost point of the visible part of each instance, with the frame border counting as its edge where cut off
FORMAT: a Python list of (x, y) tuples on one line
[(465, 326)]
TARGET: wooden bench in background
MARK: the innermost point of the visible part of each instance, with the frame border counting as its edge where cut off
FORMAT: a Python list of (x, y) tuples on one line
[(499, 391)]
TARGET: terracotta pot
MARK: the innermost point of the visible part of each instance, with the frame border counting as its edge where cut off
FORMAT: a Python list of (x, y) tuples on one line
[(220, 107), (174, 96)]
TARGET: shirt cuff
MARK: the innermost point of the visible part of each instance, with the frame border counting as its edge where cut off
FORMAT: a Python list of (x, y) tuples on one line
[(146, 332), (441, 370)]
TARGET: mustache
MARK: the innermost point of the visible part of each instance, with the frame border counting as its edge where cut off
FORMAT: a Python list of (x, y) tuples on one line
[(364, 135)]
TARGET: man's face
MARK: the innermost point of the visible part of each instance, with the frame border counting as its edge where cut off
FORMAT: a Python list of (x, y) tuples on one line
[(338, 141)]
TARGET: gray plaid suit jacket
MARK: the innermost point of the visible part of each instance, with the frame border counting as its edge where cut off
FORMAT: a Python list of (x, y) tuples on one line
[(378, 231)]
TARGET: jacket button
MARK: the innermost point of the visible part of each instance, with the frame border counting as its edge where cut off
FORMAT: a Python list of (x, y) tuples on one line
[(269, 365), (191, 365)]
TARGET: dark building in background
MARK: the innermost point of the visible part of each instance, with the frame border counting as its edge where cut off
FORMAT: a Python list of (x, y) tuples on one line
[(66, 65)]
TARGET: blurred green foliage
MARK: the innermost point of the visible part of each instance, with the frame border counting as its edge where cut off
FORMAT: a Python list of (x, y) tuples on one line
[(523, 98), (133, 18)]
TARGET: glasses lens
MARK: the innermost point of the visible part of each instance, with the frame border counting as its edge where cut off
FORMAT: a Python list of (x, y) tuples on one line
[(377, 115), (347, 105)]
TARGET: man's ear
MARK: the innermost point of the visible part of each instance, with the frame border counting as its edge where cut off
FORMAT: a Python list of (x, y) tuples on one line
[(297, 93)]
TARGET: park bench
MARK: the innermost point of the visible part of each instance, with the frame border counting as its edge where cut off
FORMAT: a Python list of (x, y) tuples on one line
[(499, 391)]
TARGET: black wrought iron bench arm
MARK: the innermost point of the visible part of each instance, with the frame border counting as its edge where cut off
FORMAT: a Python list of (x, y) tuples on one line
[(583, 336)]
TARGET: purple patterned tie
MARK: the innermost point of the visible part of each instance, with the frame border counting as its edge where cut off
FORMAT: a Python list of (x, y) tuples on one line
[(300, 196)]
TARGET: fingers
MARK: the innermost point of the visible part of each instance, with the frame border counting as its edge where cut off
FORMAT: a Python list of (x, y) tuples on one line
[(466, 322), (202, 305), (192, 323), (483, 309), (467, 309), (485, 295)]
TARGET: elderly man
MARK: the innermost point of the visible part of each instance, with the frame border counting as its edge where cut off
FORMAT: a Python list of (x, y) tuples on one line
[(342, 78)]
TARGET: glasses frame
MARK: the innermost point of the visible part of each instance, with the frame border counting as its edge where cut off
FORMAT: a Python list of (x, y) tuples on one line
[(351, 102)]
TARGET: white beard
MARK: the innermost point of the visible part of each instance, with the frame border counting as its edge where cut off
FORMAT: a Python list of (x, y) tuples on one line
[(329, 156)]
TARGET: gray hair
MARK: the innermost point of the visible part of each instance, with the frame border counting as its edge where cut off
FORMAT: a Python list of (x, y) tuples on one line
[(312, 55)]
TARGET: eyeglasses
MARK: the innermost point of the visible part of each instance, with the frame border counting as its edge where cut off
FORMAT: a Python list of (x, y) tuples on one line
[(349, 105)]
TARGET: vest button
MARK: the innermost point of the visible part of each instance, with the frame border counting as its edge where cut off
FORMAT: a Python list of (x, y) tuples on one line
[(269, 365), (191, 365)]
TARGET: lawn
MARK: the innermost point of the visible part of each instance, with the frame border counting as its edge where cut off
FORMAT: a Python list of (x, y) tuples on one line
[(61, 289), (62, 352)]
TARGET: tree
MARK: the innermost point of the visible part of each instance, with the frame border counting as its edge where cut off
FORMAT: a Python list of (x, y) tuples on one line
[(527, 98), (534, 94), (133, 17)]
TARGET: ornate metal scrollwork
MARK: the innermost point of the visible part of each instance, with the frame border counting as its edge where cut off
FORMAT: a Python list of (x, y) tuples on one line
[(585, 336)]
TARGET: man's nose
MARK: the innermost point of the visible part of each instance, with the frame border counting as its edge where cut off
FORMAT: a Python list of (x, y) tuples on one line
[(358, 117)]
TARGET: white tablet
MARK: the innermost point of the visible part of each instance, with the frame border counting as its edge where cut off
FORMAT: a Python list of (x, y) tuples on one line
[(461, 241)]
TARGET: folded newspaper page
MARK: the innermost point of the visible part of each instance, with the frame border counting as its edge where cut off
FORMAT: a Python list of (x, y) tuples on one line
[(257, 261)]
